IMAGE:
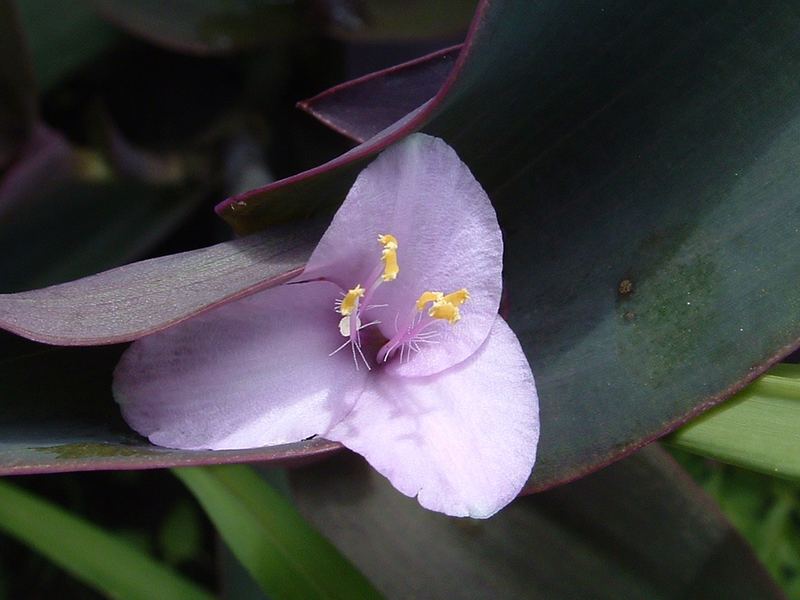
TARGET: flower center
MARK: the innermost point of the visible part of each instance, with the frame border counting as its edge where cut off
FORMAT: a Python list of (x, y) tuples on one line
[(443, 307), (440, 307)]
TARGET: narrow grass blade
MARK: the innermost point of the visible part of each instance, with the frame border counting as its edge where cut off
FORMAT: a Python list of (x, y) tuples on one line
[(283, 553), (94, 556)]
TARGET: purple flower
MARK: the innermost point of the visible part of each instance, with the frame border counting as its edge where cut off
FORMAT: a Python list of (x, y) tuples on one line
[(389, 343)]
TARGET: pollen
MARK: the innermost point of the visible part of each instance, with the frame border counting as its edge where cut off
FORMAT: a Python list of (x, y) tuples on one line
[(444, 307), (350, 301), (389, 257), (388, 241)]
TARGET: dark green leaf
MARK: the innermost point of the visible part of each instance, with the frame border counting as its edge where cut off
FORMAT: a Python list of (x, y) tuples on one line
[(180, 535), (80, 228), (638, 529), (750, 500), (63, 35)]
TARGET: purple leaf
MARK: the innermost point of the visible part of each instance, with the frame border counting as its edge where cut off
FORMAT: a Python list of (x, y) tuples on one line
[(361, 108), (131, 301)]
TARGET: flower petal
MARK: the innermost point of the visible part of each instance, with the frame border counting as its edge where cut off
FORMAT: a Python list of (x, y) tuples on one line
[(420, 192), (464, 441), (253, 372)]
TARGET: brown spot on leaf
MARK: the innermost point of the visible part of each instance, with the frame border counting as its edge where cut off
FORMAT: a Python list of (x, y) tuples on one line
[(625, 287)]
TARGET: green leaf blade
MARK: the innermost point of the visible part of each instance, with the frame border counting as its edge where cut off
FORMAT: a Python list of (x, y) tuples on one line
[(92, 555), (284, 554), (758, 429)]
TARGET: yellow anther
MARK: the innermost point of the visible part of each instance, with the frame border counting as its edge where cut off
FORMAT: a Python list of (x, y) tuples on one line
[(443, 307), (457, 298), (389, 257), (428, 297), (390, 266), (445, 311), (350, 300), (388, 241)]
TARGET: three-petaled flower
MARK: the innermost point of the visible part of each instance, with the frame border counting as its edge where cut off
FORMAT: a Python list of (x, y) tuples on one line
[(389, 342)]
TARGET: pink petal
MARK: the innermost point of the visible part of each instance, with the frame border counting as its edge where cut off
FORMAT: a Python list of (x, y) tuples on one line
[(251, 373), (420, 192), (464, 441)]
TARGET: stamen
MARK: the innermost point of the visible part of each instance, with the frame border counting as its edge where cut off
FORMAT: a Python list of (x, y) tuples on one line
[(445, 311), (389, 257), (350, 301), (339, 348), (416, 333), (443, 307), (357, 300), (458, 297), (428, 297), (388, 241), (364, 358)]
